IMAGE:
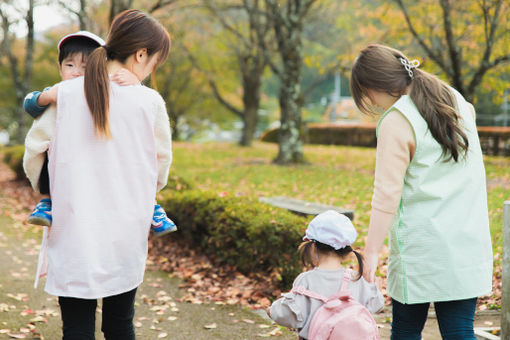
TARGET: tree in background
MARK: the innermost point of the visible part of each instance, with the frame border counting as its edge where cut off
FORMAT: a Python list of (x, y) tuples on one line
[(117, 6), (287, 19), (464, 39), (21, 75), (245, 25)]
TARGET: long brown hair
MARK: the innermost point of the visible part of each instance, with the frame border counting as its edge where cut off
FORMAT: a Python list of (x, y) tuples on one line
[(308, 251), (379, 68), (130, 31)]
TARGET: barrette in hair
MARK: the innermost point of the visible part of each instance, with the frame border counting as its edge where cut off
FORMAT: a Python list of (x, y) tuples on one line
[(409, 65)]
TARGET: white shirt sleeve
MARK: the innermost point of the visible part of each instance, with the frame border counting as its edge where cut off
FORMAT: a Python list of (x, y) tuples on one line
[(163, 137), (37, 142)]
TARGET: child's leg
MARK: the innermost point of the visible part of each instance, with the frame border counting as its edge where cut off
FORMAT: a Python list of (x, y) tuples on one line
[(42, 212), (161, 224)]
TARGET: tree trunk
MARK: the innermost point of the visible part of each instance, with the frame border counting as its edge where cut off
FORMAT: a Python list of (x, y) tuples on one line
[(252, 81), (22, 84), (175, 129), (290, 142), (118, 6), (288, 27)]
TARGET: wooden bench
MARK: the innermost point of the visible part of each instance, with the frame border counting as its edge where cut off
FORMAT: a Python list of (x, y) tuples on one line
[(303, 207)]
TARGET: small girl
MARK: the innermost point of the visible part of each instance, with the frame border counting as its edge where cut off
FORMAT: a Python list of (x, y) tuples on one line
[(326, 245)]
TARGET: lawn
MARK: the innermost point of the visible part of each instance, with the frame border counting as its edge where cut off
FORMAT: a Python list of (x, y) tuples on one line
[(336, 175)]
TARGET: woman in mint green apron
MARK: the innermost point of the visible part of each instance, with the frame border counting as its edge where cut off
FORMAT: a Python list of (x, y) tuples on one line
[(429, 194)]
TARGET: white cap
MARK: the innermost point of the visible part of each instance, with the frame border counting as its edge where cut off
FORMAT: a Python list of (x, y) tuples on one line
[(84, 34), (331, 228)]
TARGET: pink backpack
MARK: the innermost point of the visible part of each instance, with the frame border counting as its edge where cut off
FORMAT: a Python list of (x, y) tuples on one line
[(340, 317)]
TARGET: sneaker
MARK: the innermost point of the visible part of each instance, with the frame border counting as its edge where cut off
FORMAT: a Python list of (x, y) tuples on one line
[(42, 213), (161, 224)]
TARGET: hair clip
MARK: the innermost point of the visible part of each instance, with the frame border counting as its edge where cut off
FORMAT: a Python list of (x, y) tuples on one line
[(409, 65)]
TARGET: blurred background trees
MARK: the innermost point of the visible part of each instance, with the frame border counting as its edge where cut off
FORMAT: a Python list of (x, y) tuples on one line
[(237, 67)]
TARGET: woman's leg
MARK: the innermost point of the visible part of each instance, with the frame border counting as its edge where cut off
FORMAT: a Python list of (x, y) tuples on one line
[(118, 314), (78, 318), (408, 320), (456, 319)]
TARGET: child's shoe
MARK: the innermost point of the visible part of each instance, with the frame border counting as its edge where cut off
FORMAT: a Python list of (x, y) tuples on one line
[(42, 213), (161, 224)]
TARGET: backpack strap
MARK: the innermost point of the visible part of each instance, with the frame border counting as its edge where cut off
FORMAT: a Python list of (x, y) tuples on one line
[(343, 293), (303, 291), (346, 279)]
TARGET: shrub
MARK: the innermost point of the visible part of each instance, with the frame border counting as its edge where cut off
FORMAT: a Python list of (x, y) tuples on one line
[(336, 134), (240, 231), (177, 183), (13, 157)]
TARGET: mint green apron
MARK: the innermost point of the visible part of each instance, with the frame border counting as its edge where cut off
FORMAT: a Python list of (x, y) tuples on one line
[(440, 245)]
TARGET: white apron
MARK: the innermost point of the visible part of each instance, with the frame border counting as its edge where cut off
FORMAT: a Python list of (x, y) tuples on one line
[(102, 194)]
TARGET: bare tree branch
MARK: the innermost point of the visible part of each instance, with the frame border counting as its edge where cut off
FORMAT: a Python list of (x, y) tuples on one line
[(437, 58), (160, 4), (453, 49), (213, 85)]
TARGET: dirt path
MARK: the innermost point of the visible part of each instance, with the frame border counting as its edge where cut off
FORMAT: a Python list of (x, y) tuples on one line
[(28, 313)]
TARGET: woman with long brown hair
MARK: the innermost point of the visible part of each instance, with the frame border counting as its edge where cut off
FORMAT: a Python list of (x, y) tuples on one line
[(429, 193), (109, 152)]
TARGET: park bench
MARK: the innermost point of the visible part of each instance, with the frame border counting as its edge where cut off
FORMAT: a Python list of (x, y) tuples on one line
[(303, 207)]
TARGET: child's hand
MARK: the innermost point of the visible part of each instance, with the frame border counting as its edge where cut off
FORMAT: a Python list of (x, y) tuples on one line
[(48, 97), (123, 77)]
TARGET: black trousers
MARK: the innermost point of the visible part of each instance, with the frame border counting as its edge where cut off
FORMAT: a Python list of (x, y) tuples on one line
[(44, 178), (79, 317)]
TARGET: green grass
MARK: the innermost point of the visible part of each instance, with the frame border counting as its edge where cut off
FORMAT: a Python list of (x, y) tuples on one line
[(336, 175)]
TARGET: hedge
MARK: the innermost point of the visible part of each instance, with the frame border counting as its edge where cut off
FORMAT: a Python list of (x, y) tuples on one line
[(336, 134), (495, 140), (13, 157), (240, 231)]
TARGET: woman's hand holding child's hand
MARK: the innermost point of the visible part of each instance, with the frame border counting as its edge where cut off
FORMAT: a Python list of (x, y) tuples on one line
[(123, 77), (370, 266)]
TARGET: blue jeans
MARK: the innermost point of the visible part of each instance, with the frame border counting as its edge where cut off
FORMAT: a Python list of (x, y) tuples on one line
[(455, 319), (79, 317)]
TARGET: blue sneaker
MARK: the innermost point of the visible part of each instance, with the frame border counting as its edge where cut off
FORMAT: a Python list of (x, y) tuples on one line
[(42, 213), (161, 224)]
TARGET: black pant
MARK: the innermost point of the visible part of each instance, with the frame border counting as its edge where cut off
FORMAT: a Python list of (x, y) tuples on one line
[(44, 178), (79, 317)]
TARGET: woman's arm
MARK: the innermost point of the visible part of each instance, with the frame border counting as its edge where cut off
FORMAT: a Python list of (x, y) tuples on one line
[(37, 142), (163, 137), (395, 149)]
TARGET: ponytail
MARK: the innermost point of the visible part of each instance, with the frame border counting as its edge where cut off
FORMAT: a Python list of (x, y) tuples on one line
[(381, 68), (359, 257), (97, 91), (436, 103), (130, 31)]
